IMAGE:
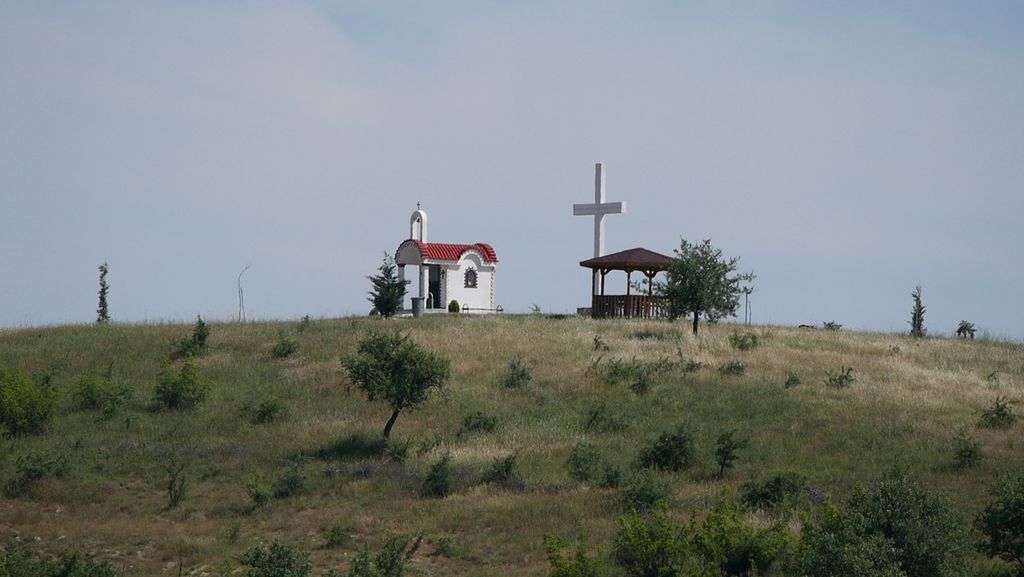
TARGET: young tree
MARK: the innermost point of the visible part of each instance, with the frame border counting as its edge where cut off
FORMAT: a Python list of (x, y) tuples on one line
[(393, 368), (102, 313), (702, 281), (917, 315), (388, 290), (1001, 523)]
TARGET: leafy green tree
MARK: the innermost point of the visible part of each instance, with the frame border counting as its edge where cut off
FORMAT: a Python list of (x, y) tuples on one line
[(388, 290), (277, 560), (917, 315), (700, 281), (389, 562), (391, 367), (727, 450), (1001, 523), (102, 313), (26, 406)]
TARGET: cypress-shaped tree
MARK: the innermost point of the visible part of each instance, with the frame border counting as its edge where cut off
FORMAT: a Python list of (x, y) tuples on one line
[(102, 313), (388, 290), (917, 315)]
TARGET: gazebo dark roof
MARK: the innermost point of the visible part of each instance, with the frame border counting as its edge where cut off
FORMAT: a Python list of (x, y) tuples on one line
[(629, 260)]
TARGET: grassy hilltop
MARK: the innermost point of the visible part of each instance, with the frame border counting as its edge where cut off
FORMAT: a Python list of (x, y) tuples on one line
[(104, 488)]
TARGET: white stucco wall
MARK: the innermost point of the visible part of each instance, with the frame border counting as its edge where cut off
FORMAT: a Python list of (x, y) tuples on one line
[(481, 297)]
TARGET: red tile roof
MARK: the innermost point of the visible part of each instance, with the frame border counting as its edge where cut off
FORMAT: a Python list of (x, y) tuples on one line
[(449, 251)]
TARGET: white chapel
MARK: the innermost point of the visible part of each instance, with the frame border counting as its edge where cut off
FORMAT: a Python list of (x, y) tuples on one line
[(446, 272)]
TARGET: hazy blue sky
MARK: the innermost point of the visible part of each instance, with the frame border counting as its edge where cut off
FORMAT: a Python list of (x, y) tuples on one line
[(846, 151)]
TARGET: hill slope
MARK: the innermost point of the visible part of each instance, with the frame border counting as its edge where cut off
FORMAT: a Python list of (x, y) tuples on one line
[(909, 399)]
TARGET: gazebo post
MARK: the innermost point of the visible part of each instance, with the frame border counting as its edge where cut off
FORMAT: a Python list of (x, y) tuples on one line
[(629, 275)]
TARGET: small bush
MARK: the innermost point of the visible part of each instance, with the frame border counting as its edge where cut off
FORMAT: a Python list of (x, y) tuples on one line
[(584, 463), (479, 421), (21, 562), (397, 451), (277, 560), (999, 416), (611, 477), (733, 369), (504, 473), (453, 307), (653, 546), (34, 467), (642, 490), (337, 535), (94, 393), (445, 546), (26, 406), (517, 374), (727, 449), (390, 561), (305, 324), (1001, 523), (177, 482), (615, 371), (438, 482), (777, 491), (839, 379), (791, 381), (181, 390), (672, 451), (576, 565), (966, 451), (743, 341), (291, 483), (599, 344), (965, 329), (195, 344), (284, 348), (266, 411), (600, 419), (725, 539), (831, 326), (258, 492)]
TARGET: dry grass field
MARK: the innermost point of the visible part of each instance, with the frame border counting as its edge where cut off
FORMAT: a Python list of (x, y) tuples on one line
[(109, 494)]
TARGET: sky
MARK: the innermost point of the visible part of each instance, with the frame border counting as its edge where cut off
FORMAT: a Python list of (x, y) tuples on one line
[(846, 152)]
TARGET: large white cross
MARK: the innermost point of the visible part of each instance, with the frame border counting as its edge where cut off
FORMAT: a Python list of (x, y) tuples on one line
[(598, 209)]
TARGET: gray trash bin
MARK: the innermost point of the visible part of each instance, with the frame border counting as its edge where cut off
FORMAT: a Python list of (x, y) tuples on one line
[(417, 306)]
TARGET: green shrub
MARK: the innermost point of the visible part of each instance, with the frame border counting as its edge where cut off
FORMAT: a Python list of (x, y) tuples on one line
[(576, 565), (267, 410), (831, 547), (284, 348), (611, 477), (177, 481), (725, 539), (743, 341), (338, 534), (21, 562), (291, 483), (258, 492), (999, 416), (195, 344), (504, 473), (389, 562), (966, 451), (599, 344), (791, 381), (925, 532), (397, 451), (831, 326), (733, 369), (26, 406), (479, 421), (727, 449), (1001, 523), (445, 546), (653, 546), (517, 374), (601, 419), (33, 467), (277, 560), (93, 393), (777, 491), (453, 307), (181, 390), (637, 373), (839, 379), (305, 324), (965, 329), (438, 482), (642, 490), (584, 463), (672, 450)]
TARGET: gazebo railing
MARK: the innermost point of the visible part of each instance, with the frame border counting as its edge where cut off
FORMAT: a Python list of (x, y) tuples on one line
[(629, 306)]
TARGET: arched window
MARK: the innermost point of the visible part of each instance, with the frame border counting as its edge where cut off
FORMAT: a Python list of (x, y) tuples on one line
[(470, 278)]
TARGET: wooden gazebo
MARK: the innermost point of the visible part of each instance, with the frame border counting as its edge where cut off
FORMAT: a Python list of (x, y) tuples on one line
[(641, 260)]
